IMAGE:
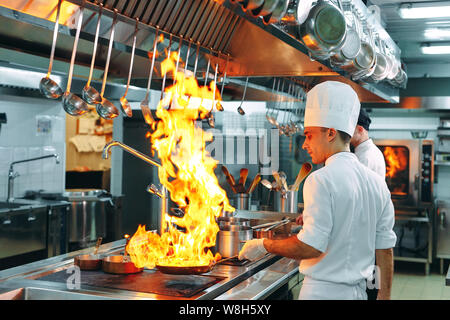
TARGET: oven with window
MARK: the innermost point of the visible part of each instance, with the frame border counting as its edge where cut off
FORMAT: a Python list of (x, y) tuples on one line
[(409, 170)]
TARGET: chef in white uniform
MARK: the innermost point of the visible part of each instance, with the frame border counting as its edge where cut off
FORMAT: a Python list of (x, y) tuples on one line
[(347, 216), (368, 154), (366, 151)]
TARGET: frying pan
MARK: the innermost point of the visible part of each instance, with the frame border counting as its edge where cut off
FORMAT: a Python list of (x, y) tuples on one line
[(191, 269)]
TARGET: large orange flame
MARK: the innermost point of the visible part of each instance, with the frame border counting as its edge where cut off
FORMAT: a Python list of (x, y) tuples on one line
[(187, 171), (396, 160)]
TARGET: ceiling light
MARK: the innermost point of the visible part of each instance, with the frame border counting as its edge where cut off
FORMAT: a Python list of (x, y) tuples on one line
[(423, 10), (437, 33), (436, 48)]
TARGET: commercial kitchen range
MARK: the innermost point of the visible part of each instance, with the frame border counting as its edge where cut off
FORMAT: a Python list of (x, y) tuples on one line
[(57, 278)]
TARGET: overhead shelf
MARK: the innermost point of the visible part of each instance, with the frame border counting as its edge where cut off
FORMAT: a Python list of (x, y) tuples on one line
[(254, 49)]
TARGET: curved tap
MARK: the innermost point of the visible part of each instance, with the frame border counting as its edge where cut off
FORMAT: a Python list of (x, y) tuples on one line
[(134, 152), (12, 175)]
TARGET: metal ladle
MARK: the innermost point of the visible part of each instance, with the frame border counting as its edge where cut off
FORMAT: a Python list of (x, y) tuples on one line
[(125, 105), (165, 74), (106, 109), (219, 105), (89, 93), (48, 87), (146, 112), (73, 104), (239, 109)]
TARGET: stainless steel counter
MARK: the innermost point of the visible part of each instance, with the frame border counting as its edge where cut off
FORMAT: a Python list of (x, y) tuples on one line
[(256, 280)]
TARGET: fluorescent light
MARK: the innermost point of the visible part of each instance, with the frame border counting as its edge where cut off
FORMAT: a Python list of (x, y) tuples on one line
[(441, 48), (424, 10), (437, 33)]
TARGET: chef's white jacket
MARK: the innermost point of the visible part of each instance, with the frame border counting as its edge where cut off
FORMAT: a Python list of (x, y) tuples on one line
[(369, 155), (348, 213)]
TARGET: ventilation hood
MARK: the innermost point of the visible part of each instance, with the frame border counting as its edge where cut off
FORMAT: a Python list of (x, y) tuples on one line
[(239, 44)]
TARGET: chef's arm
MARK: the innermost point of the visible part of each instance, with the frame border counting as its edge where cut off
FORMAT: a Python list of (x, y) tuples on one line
[(291, 248), (385, 262)]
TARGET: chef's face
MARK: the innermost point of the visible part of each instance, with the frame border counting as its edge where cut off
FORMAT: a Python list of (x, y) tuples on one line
[(316, 143)]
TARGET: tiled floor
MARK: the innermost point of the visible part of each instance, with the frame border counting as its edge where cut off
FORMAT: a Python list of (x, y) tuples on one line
[(415, 285)]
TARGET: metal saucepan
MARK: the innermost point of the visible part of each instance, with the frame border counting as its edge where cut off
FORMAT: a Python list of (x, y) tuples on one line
[(89, 261), (231, 238), (352, 43), (278, 12), (48, 87), (267, 8), (119, 264), (226, 221), (268, 232), (324, 30)]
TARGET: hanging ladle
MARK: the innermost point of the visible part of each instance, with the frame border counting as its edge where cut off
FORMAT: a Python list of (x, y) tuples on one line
[(169, 50), (146, 112), (89, 93), (239, 109), (219, 105), (73, 104), (48, 87), (125, 105), (176, 94), (106, 109)]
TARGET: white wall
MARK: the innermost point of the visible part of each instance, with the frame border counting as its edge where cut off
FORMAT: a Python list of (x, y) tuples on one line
[(20, 139)]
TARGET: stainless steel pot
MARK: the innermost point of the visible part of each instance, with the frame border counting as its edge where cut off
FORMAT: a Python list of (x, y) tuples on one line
[(230, 239), (267, 8), (278, 12), (324, 30), (226, 221), (352, 43), (87, 217)]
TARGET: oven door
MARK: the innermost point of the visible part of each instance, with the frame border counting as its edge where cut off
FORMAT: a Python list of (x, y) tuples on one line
[(402, 169)]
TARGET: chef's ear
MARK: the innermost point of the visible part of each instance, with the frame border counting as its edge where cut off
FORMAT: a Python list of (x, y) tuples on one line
[(332, 133)]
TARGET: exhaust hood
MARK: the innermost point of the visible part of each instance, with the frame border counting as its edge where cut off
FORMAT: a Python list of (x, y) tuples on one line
[(241, 45)]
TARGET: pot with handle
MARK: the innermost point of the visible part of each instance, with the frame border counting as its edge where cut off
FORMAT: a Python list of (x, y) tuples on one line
[(230, 239), (324, 30), (352, 43)]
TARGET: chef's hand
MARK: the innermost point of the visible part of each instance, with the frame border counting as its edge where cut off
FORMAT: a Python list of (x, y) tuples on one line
[(253, 250), (299, 220)]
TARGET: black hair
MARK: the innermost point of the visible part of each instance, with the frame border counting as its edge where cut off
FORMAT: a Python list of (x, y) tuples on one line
[(364, 119)]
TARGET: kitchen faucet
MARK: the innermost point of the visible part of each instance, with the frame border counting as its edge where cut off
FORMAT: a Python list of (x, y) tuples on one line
[(12, 175), (162, 193)]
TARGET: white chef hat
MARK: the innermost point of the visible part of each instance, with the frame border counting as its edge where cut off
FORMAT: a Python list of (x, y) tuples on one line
[(332, 104)]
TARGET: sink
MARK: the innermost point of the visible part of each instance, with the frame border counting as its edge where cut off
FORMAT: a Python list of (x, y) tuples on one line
[(32, 293)]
